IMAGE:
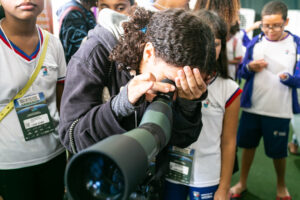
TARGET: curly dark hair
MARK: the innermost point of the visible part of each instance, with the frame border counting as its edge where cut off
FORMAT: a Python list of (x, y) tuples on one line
[(219, 27), (179, 37)]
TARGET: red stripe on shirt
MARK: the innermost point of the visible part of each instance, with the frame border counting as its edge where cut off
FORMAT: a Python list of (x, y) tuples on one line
[(61, 81), (233, 97)]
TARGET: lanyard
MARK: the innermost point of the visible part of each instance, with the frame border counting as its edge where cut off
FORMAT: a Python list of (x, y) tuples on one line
[(10, 105)]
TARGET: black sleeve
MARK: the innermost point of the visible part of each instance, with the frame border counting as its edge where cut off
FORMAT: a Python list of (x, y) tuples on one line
[(187, 122), (82, 111)]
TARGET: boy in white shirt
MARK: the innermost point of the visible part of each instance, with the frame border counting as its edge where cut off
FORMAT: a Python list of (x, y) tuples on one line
[(272, 71)]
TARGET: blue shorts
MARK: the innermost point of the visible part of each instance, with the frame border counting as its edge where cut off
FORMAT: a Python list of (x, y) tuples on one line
[(180, 192), (274, 131)]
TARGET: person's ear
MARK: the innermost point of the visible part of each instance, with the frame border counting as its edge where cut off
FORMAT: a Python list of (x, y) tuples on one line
[(286, 21), (149, 52)]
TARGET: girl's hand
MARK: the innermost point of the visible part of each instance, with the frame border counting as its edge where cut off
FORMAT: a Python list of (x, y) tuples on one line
[(190, 84), (145, 84)]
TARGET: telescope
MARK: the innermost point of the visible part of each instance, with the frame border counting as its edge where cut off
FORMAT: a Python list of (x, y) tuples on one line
[(113, 168)]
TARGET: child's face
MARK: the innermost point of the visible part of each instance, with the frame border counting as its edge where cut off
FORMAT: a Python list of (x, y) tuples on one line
[(273, 26), (120, 6), (23, 9)]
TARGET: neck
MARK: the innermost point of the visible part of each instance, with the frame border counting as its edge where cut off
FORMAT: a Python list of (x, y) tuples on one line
[(283, 36), (16, 27)]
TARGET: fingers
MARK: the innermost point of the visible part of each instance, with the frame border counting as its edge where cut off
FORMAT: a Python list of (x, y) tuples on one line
[(200, 82), (162, 87), (258, 65), (138, 86), (189, 83), (146, 84), (283, 76)]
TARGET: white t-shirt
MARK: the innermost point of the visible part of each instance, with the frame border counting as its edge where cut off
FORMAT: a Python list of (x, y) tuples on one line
[(15, 70), (206, 168), (270, 97), (234, 49)]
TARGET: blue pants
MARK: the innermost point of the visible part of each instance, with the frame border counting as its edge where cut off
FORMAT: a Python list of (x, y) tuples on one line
[(180, 192)]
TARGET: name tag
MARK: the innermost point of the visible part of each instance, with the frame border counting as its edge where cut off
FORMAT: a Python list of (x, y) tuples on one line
[(34, 116), (180, 164)]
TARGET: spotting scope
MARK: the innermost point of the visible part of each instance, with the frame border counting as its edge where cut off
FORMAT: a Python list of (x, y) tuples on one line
[(113, 168)]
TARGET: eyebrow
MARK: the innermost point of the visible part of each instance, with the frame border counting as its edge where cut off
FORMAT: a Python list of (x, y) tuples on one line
[(118, 4)]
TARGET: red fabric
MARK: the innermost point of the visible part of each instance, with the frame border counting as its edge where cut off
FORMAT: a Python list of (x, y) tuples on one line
[(284, 198)]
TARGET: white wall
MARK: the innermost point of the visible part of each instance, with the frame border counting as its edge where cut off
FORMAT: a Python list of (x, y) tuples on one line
[(293, 26)]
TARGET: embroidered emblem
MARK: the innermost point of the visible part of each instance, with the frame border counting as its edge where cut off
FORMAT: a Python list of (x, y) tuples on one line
[(206, 103), (45, 71)]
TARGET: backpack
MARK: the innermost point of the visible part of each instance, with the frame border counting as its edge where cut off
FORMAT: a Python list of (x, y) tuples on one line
[(66, 12)]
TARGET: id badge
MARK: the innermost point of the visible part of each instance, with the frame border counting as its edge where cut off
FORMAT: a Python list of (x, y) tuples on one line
[(180, 164), (34, 116)]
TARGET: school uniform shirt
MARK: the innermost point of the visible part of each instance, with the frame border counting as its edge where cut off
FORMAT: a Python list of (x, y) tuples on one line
[(270, 97), (206, 168), (234, 49), (15, 70)]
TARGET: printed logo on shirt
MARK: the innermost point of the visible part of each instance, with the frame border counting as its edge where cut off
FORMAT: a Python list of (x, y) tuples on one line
[(287, 52), (45, 71), (207, 103)]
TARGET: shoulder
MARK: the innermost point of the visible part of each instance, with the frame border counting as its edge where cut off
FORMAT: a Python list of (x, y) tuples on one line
[(296, 38), (223, 83), (225, 87)]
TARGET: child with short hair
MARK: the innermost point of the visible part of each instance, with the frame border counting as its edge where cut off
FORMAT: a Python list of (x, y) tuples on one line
[(272, 71), (32, 70)]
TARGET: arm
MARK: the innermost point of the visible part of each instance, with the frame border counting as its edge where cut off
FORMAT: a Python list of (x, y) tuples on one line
[(228, 147), (244, 71), (254, 26), (85, 119), (72, 32), (191, 86), (290, 80), (249, 66), (187, 122), (81, 105), (59, 91)]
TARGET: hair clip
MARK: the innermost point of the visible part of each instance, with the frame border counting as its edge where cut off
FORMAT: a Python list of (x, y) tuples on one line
[(144, 29)]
